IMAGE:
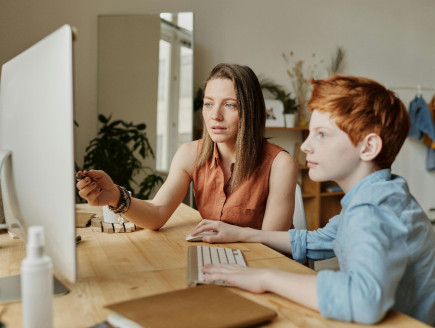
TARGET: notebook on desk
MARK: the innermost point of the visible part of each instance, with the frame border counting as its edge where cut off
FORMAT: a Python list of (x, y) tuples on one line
[(202, 306)]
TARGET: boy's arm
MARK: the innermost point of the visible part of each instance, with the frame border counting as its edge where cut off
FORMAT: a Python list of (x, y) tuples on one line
[(314, 245), (299, 243), (300, 288), (374, 259)]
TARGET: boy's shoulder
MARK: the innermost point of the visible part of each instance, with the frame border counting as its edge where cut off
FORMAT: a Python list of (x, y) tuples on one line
[(379, 187), (387, 193)]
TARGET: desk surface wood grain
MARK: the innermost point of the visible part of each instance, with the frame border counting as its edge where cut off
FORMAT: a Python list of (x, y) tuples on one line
[(122, 266)]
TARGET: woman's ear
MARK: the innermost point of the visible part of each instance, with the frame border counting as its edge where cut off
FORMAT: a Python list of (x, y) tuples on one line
[(371, 146)]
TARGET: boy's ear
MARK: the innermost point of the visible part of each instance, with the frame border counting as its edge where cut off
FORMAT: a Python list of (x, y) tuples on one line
[(371, 146)]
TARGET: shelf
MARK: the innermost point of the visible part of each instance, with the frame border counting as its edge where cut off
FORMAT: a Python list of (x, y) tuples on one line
[(330, 193), (308, 195)]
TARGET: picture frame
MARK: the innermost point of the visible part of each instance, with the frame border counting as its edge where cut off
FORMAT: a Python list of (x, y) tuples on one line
[(274, 113)]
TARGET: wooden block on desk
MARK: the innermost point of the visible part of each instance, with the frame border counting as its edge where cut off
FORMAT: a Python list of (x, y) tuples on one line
[(96, 224), (129, 227), (118, 227), (108, 227)]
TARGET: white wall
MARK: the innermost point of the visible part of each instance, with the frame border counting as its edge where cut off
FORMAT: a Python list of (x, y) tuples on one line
[(390, 41)]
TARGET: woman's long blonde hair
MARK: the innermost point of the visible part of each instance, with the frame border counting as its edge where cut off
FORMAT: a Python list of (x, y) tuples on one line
[(252, 118)]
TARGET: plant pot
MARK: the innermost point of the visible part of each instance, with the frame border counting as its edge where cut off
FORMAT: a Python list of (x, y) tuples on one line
[(289, 120)]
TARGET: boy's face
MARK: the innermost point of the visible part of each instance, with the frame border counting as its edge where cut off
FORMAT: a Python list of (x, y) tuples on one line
[(330, 153)]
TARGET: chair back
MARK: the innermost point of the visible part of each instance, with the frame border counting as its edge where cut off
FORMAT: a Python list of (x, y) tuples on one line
[(299, 219)]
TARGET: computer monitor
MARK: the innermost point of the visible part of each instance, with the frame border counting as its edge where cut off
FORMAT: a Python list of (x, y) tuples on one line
[(37, 146)]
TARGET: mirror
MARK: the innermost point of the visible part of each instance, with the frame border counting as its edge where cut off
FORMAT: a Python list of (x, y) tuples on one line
[(145, 75)]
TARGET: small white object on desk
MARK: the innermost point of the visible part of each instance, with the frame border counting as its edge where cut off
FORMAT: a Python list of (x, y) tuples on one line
[(199, 236), (111, 217)]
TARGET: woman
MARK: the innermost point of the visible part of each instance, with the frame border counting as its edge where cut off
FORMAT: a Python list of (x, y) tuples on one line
[(238, 177)]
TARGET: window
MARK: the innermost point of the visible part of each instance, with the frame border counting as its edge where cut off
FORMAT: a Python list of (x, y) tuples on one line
[(175, 91)]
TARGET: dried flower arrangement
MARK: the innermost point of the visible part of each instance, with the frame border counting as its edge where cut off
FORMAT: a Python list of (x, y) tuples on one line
[(300, 80), (337, 61)]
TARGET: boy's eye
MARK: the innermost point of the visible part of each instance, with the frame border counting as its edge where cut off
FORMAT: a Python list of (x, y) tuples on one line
[(320, 135)]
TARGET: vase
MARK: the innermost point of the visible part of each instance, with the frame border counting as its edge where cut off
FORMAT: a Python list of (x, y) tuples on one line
[(289, 120), (304, 116)]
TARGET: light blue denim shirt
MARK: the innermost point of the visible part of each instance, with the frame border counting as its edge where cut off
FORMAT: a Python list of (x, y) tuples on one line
[(385, 246)]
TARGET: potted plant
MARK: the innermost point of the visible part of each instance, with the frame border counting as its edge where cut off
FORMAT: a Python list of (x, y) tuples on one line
[(289, 103), (119, 150)]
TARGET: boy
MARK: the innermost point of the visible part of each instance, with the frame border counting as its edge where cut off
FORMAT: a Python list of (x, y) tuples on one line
[(384, 243)]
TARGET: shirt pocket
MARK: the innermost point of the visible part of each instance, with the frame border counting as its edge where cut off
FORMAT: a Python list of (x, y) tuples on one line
[(244, 217)]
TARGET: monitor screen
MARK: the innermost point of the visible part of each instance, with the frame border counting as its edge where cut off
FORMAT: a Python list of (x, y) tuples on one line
[(37, 146)]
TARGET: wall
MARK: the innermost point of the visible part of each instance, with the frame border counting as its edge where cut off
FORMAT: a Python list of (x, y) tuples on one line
[(389, 41)]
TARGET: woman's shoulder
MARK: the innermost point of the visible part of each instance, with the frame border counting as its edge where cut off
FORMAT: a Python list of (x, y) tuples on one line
[(271, 148), (186, 156), (284, 160), (189, 148), (279, 154)]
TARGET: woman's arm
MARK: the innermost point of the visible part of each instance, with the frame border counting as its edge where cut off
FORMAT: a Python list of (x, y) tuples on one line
[(278, 215), (100, 190)]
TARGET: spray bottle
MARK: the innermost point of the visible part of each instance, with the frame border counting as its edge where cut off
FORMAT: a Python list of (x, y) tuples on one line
[(37, 282)]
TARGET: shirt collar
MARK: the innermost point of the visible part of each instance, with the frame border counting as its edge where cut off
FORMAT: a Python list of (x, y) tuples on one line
[(381, 175), (216, 156), (216, 160)]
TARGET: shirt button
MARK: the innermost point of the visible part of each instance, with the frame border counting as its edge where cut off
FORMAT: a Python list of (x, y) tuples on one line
[(222, 200)]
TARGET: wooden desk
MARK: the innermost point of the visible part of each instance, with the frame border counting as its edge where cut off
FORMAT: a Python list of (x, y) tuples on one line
[(118, 267)]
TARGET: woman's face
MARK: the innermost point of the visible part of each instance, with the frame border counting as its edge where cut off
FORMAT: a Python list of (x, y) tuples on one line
[(220, 111)]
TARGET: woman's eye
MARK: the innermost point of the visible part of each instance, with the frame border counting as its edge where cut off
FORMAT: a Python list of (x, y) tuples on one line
[(230, 106), (207, 105)]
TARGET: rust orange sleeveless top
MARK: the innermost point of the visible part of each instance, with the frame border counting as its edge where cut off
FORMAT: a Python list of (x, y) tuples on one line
[(246, 204)]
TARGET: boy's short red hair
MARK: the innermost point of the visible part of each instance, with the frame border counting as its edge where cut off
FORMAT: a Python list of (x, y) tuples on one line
[(361, 106)]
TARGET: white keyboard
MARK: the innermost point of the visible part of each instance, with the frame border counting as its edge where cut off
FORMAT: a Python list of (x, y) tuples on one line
[(198, 256)]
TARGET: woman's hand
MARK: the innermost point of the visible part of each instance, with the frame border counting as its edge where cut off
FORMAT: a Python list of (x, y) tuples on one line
[(249, 279), (225, 233), (97, 188)]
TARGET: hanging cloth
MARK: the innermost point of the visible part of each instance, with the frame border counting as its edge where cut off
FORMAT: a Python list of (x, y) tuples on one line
[(426, 139), (421, 119), (422, 124)]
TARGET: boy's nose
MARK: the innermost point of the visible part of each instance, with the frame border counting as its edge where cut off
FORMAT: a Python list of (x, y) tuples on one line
[(305, 147)]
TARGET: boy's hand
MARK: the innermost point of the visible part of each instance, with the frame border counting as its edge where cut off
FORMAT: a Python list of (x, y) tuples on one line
[(249, 279), (225, 233)]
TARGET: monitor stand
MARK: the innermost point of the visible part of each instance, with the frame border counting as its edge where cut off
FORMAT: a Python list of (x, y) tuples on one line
[(10, 288)]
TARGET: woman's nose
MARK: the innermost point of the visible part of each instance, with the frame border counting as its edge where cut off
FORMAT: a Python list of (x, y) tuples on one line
[(216, 114)]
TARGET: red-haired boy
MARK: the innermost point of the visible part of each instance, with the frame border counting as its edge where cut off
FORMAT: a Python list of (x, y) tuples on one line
[(383, 240)]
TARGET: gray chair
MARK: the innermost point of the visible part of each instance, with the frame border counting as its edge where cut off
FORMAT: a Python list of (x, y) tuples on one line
[(299, 219)]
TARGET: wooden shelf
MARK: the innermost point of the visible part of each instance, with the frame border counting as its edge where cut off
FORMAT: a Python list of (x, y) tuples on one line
[(331, 193)]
